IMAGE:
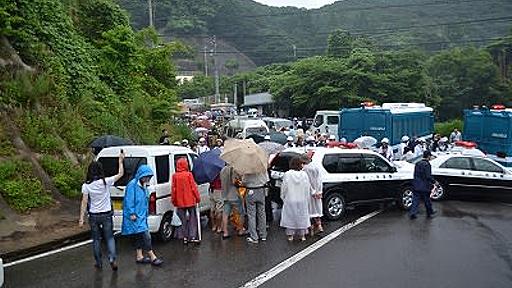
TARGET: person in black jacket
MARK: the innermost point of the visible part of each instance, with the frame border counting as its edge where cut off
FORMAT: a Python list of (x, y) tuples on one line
[(422, 186)]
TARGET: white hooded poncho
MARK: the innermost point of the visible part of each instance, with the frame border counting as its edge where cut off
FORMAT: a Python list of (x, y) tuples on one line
[(315, 205), (295, 192)]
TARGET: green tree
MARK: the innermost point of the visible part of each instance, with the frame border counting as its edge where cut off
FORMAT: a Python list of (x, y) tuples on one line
[(463, 78)]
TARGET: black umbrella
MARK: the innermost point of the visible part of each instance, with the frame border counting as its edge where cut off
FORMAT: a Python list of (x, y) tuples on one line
[(109, 141), (256, 137), (278, 137)]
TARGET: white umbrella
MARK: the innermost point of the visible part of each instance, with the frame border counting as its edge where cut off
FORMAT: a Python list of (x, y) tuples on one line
[(245, 156), (365, 142), (201, 130)]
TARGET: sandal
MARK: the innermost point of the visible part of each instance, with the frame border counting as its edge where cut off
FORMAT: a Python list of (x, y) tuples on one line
[(185, 241), (157, 262), (290, 238), (195, 241), (144, 260)]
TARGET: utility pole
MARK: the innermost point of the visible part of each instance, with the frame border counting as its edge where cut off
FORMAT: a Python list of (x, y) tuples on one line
[(205, 63), (294, 51), (217, 92), (244, 88), (150, 6), (235, 94)]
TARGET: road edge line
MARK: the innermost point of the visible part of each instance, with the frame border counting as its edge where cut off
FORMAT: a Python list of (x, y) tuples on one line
[(274, 271), (52, 252)]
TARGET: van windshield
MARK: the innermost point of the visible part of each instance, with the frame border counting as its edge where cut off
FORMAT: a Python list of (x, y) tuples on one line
[(131, 164), (319, 120), (256, 130)]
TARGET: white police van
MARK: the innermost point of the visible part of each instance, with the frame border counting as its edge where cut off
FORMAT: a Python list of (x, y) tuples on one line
[(162, 160)]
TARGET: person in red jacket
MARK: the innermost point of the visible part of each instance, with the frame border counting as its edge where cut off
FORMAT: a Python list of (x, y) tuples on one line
[(184, 196)]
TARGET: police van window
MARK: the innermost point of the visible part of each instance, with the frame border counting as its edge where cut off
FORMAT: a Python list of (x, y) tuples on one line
[(486, 166), (193, 157), (332, 120), (457, 163), (163, 169), (372, 163), (350, 163)]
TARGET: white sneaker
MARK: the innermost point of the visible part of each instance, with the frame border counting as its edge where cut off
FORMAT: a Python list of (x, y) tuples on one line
[(252, 241)]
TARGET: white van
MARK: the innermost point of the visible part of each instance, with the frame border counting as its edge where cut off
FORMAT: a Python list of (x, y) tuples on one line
[(242, 127), (162, 160), (326, 122), (276, 124), (253, 113)]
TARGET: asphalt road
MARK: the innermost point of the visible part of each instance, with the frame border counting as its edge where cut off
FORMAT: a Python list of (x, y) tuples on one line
[(469, 244)]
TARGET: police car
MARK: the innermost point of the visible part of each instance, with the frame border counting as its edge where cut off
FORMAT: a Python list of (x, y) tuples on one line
[(463, 174), (350, 177)]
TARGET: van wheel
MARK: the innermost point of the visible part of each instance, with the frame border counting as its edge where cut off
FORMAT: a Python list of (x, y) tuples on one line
[(334, 206), (166, 230), (406, 198)]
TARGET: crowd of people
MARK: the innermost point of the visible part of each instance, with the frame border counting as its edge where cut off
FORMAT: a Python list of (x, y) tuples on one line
[(239, 200)]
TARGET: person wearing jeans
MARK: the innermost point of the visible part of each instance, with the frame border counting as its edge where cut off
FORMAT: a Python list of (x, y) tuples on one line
[(96, 201), (255, 201)]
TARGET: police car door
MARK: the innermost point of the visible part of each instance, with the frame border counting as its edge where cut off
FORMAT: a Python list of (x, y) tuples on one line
[(379, 174), (456, 175), (493, 179)]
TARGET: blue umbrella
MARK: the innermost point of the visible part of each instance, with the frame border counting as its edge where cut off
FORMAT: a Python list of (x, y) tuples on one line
[(207, 166)]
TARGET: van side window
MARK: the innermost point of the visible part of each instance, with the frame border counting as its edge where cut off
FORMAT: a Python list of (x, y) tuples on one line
[(373, 163), (176, 157), (163, 169), (131, 164), (332, 120)]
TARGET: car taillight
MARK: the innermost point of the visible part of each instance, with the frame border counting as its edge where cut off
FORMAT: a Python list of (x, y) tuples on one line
[(152, 203)]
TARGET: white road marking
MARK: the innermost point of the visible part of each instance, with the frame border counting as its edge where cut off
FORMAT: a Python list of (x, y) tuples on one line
[(49, 253), (266, 276)]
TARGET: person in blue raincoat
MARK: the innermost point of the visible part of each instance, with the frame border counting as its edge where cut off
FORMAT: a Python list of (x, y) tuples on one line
[(135, 216)]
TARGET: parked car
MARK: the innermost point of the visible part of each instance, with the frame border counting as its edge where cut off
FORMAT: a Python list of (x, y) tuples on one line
[(276, 124), (350, 177), (467, 175), (162, 160)]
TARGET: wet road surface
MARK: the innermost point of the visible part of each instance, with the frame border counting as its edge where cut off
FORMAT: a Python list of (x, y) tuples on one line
[(467, 245)]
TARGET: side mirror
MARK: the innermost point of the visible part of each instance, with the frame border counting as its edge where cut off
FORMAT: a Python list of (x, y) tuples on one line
[(393, 169)]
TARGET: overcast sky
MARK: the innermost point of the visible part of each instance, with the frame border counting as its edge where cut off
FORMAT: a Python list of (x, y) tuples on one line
[(310, 4)]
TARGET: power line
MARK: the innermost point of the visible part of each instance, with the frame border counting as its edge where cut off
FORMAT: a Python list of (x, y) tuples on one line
[(319, 11), (369, 31), (349, 47)]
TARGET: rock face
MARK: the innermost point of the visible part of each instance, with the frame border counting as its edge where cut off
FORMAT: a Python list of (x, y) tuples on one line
[(10, 58)]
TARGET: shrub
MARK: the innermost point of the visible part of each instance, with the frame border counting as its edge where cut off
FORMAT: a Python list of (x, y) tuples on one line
[(6, 147), (67, 177), (19, 188), (445, 128), (25, 194), (38, 132)]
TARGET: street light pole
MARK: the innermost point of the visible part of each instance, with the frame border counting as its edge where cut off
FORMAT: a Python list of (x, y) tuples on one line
[(205, 63), (150, 6), (217, 84)]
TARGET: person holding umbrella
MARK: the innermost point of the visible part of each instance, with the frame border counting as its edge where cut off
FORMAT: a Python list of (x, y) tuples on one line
[(185, 197)]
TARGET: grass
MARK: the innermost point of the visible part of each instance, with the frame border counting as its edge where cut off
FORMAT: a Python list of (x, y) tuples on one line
[(445, 128), (19, 188)]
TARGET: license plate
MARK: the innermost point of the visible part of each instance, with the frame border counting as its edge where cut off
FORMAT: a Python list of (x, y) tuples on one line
[(117, 204)]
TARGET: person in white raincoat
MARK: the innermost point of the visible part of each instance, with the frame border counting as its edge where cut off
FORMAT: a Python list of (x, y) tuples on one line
[(295, 192), (315, 200)]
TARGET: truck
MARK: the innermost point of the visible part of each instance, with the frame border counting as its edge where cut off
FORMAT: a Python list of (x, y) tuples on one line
[(491, 130), (391, 120), (326, 122)]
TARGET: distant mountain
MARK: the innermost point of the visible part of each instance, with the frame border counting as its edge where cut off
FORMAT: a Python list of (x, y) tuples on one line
[(268, 34)]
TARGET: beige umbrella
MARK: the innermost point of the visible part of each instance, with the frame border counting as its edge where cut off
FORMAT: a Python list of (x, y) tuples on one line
[(245, 156)]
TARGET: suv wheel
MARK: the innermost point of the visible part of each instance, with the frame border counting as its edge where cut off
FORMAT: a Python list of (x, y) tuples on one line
[(166, 229), (439, 192), (406, 198), (334, 206)]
